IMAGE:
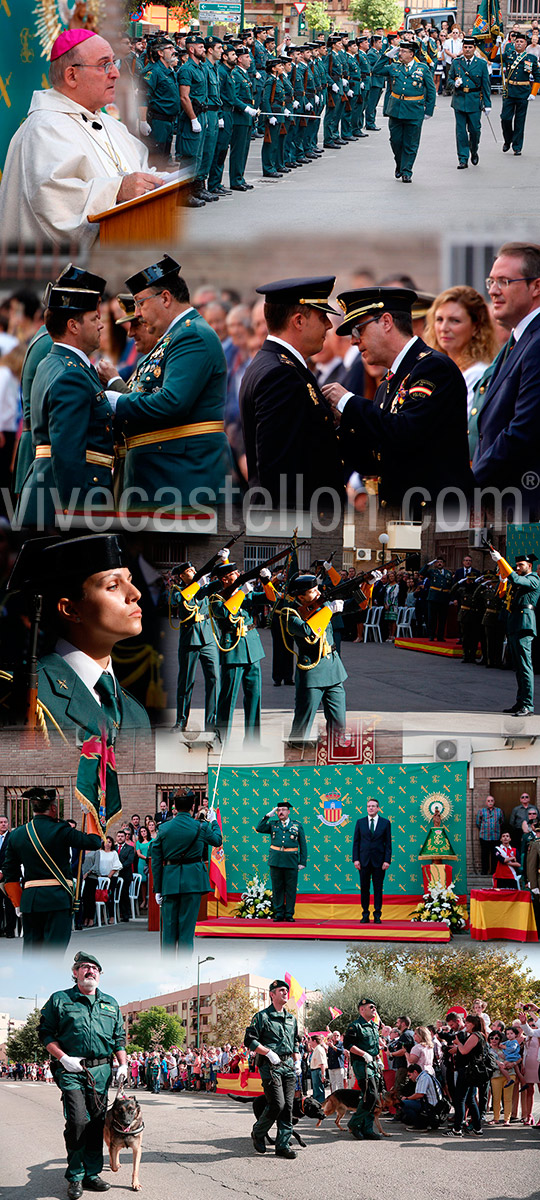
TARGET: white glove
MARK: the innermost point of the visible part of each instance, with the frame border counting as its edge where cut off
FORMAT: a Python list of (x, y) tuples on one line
[(272, 121), (376, 575), (367, 1057), (495, 555), (309, 107), (335, 606), (252, 111), (487, 107), (350, 93), (17, 912), (223, 554), (159, 899), (286, 112), (272, 1057), (211, 813), (296, 104), (335, 87), (257, 74), (429, 116), (144, 129), (327, 565), (531, 97), (317, 99), (458, 82), (122, 1073), (221, 123), (196, 126), (536, 891), (265, 573), (272, 812), (71, 1064), (345, 83)]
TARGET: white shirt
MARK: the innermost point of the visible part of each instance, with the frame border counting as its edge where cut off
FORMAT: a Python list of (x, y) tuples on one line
[(270, 337), (73, 349), (522, 325), (374, 819), (88, 670)]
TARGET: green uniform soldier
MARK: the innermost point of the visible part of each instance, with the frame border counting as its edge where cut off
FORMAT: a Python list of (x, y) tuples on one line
[(38, 348), (519, 67), (68, 408), (179, 855), (240, 653), (294, 154), (273, 101), (438, 599), (468, 616), (334, 100), (493, 621), (89, 604), (42, 848), (284, 147), (192, 124), (321, 82), (196, 644), (244, 111), (365, 86), (349, 120), (320, 673), (468, 78), (412, 97), (82, 1028), (214, 50), (523, 593), (260, 52), (273, 1036), (173, 421), (288, 854), (227, 93), (162, 109), (361, 1039)]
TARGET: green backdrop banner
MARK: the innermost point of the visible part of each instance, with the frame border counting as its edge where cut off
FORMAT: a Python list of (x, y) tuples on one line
[(328, 801), (22, 67), (522, 539)]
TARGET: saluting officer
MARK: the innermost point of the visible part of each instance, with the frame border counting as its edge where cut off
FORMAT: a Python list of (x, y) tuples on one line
[(320, 673), (468, 79), (361, 1039), (196, 644), (438, 599), (520, 65), (523, 593), (160, 113), (82, 1028), (179, 854), (43, 848), (273, 1037), (288, 855), (412, 97)]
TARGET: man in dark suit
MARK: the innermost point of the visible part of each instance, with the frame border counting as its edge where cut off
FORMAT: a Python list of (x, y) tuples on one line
[(466, 571), (421, 405), (507, 454), (291, 445), (126, 855), (163, 814), (372, 855), (7, 911)]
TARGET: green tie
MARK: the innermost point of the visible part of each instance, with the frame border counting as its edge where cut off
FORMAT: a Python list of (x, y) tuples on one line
[(372, 826), (109, 703)]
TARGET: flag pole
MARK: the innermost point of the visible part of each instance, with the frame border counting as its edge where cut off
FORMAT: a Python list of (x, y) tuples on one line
[(216, 897), (77, 896)]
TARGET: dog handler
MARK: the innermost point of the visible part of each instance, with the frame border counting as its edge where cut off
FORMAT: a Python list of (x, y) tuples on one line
[(362, 1041), (273, 1035), (82, 1028)]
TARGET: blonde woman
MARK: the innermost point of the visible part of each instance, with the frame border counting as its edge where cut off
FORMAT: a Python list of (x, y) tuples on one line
[(459, 324), (421, 1054)]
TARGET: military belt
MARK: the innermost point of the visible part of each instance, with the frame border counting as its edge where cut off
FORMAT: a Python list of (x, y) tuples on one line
[(396, 97), (170, 435), (96, 1062), (286, 849), (30, 883), (213, 108), (92, 456), (155, 115)]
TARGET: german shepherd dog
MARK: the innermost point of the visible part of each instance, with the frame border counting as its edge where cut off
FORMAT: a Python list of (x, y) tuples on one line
[(345, 1100), (303, 1106), (124, 1128)]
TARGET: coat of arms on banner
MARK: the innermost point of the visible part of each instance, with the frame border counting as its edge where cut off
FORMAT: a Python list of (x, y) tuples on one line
[(332, 809)]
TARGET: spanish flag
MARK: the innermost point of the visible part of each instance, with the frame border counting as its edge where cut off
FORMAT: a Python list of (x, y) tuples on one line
[(334, 1012), (218, 873), (296, 991)]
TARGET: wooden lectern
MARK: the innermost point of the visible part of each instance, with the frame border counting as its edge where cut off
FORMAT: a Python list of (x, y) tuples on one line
[(156, 217)]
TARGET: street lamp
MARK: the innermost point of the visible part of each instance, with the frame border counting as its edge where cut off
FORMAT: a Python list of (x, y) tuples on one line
[(34, 998), (200, 961), (383, 540)]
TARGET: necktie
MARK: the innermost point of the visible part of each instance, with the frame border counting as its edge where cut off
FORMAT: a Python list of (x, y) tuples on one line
[(372, 826), (107, 694), (509, 346)]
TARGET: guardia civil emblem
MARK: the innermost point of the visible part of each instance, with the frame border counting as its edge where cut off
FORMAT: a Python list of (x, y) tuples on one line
[(54, 16)]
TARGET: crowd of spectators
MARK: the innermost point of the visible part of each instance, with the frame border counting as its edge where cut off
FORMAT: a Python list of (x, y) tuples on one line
[(504, 844)]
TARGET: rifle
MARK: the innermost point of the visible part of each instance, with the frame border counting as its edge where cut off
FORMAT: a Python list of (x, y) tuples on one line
[(191, 590), (233, 596)]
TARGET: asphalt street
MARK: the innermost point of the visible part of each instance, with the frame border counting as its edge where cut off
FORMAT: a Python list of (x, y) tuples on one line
[(354, 188), (382, 678), (199, 1146)]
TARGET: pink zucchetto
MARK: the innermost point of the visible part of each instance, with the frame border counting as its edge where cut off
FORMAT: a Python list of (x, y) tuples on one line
[(67, 40)]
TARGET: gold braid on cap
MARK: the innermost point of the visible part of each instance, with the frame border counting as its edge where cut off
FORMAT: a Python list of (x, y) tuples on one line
[(361, 312), (325, 300)]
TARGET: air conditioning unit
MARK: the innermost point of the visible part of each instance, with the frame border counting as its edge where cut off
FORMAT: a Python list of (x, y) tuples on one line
[(477, 536), (363, 554), (383, 554), (452, 750)]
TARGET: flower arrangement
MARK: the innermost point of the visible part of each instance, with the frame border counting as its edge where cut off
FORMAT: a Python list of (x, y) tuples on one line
[(256, 900), (440, 903)]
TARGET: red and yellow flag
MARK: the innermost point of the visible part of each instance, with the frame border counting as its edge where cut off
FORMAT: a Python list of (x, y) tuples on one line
[(218, 873)]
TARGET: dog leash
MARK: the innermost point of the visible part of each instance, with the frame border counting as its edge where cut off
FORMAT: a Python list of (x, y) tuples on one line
[(121, 1129)]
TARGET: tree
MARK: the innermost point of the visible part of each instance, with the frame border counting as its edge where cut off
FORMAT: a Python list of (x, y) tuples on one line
[(458, 976), (376, 14), (24, 1045), (234, 1010), (156, 1029), (317, 17), (405, 993)]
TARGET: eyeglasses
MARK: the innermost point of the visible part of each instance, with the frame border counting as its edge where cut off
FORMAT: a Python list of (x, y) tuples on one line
[(143, 299), (357, 329), (503, 283), (106, 67)]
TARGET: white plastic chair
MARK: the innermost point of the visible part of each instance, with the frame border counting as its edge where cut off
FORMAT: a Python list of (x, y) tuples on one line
[(404, 622), (372, 624), (118, 887), (103, 882), (134, 889)]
